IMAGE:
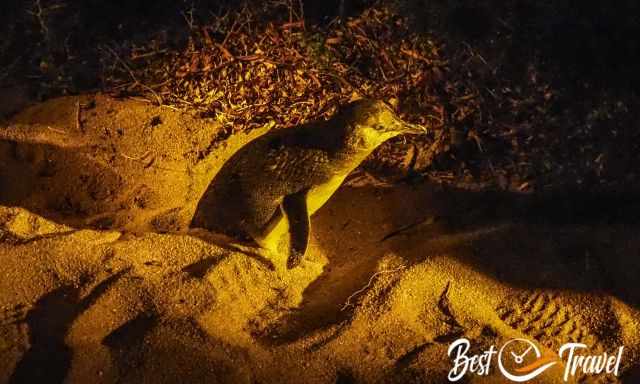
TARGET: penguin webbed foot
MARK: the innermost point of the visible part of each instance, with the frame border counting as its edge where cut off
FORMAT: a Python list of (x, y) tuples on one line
[(294, 259)]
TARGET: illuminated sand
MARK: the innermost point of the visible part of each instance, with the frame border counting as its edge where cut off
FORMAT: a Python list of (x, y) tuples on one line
[(98, 282)]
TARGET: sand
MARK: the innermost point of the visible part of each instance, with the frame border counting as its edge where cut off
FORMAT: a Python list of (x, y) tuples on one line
[(100, 281)]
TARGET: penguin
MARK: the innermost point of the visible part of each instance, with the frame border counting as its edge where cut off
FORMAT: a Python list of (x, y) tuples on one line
[(272, 185)]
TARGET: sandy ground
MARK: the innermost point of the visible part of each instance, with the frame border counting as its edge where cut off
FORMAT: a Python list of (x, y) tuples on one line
[(99, 281)]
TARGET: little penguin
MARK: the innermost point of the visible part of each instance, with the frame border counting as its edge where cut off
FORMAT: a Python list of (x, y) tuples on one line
[(273, 184)]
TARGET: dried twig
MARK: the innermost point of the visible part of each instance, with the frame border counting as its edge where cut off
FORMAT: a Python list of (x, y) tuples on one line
[(426, 221), (136, 158), (348, 303), (60, 131), (132, 74), (78, 122)]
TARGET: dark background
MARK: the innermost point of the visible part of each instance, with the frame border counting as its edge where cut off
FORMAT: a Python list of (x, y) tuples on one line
[(585, 42)]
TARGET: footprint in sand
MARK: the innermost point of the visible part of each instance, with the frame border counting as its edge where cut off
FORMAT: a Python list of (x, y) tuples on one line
[(554, 319), (551, 318)]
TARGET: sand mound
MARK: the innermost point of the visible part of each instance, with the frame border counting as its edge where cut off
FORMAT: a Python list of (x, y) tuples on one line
[(99, 281)]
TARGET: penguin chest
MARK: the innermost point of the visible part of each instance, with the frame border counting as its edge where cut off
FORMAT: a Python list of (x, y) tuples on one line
[(318, 195)]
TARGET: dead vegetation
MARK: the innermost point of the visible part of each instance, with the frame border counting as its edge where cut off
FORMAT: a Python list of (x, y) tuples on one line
[(498, 115)]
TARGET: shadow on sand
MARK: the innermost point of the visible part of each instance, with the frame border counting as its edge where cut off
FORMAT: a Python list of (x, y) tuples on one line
[(571, 241), (49, 358)]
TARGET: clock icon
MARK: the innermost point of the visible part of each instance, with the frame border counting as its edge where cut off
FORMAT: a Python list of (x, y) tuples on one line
[(520, 360)]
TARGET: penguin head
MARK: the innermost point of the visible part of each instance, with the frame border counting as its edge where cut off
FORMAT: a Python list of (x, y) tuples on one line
[(372, 122)]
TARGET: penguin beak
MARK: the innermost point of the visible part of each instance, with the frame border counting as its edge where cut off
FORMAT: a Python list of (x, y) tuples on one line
[(414, 129)]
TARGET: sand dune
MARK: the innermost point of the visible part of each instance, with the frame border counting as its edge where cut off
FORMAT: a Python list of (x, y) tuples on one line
[(100, 281)]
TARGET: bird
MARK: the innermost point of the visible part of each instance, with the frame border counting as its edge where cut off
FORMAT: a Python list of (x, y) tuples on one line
[(272, 185)]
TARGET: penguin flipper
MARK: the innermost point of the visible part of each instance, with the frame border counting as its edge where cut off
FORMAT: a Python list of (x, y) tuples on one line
[(296, 212)]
